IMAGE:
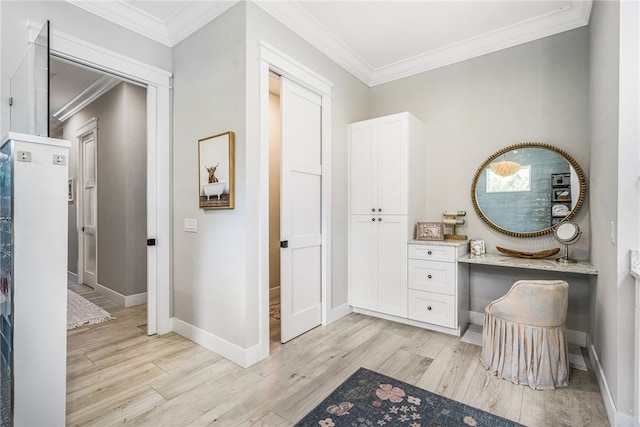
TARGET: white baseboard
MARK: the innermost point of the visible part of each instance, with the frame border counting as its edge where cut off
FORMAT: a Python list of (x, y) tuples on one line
[(211, 342), (573, 336), (118, 298), (72, 277), (338, 312)]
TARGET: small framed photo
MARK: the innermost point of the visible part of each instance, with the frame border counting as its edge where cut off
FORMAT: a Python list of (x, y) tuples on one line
[(429, 231), (476, 247)]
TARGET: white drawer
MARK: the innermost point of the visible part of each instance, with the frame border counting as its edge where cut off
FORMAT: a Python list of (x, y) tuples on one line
[(432, 308), (432, 252), (432, 276)]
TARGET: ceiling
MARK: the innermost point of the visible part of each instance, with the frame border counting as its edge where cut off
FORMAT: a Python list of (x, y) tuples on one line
[(377, 41)]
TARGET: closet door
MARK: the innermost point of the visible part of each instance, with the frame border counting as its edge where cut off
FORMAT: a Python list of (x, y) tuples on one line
[(392, 165), (300, 211), (363, 161)]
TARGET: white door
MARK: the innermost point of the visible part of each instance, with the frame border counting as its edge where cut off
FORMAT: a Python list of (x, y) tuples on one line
[(301, 215), (89, 243)]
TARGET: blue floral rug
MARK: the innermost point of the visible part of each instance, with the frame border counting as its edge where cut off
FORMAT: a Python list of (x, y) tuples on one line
[(371, 399)]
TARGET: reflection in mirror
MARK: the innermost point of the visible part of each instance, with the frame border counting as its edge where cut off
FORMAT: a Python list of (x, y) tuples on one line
[(541, 187)]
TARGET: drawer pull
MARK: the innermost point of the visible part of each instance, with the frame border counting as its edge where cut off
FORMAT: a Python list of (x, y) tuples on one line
[(379, 209), (429, 276), (429, 253), (373, 219), (429, 308), (379, 219), (373, 209)]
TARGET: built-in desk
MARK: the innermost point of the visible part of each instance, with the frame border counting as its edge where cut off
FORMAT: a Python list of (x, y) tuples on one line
[(499, 260)]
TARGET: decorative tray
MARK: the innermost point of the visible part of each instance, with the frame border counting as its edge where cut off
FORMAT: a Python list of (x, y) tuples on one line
[(531, 255)]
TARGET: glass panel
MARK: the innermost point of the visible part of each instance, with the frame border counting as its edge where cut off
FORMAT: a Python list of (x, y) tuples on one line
[(6, 288), (30, 89)]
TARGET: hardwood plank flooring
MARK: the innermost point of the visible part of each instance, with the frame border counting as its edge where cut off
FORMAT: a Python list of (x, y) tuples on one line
[(118, 375)]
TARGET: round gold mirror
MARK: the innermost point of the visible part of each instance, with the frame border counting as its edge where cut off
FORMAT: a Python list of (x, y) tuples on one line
[(524, 190)]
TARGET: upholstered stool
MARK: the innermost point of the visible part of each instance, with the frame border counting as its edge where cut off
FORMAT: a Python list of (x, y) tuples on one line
[(524, 338)]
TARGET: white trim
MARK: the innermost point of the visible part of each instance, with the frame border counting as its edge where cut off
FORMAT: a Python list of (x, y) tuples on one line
[(170, 31), (91, 126), (340, 312), (297, 19), (212, 342), (118, 298), (615, 418), (158, 162), (273, 59)]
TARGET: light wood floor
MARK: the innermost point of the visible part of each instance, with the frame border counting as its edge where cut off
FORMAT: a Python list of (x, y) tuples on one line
[(118, 375)]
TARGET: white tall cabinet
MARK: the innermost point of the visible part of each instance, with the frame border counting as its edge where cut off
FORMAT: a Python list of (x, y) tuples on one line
[(386, 193)]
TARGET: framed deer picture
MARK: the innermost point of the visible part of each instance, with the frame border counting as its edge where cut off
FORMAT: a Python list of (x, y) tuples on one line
[(216, 171)]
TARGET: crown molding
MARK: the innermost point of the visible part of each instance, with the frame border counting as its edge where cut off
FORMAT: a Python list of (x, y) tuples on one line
[(574, 16), (299, 21), (195, 14), (191, 17)]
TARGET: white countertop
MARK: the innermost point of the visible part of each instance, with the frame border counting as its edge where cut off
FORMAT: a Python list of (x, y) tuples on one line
[(440, 242), (501, 260)]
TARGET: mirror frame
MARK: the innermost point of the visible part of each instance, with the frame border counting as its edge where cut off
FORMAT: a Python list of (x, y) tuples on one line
[(497, 154)]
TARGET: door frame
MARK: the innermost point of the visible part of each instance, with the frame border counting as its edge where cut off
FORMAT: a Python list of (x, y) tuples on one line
[(158, 83), (271, 59), (91, 126)]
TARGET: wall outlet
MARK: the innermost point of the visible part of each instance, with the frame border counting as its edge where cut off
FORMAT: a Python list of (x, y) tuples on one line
[(191, 225)]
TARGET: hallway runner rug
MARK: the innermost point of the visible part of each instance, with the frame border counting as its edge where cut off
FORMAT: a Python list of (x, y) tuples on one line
[(81, 311), (371, 399)]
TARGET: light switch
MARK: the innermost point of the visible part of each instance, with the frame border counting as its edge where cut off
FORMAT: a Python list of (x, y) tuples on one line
[(191, 225)]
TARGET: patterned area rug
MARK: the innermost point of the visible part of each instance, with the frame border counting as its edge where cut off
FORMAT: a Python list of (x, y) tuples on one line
[(80, 311), (371, 399)]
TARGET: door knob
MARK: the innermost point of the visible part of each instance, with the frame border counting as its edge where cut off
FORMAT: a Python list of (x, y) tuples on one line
[(284, 244)]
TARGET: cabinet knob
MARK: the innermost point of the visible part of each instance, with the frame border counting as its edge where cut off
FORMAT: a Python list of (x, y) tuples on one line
[(379, 219), (373, 219), (373, 209), (429, 308), (379, 209), (429, 276), (429, 253)]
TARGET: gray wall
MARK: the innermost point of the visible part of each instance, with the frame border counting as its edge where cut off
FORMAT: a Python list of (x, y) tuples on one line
[(215, 90), (614, 70), (122, 193), (536, 92)]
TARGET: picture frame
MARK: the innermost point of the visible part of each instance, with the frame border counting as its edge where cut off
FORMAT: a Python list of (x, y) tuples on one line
[(216, 178), (476, 247), (429, 231), (70, 190)]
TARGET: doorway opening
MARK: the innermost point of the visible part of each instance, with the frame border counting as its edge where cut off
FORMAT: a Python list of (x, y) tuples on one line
[(274, 207), (104, 118)]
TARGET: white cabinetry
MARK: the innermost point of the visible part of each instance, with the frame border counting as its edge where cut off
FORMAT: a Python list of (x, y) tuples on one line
[(439, 285), (386, 193)]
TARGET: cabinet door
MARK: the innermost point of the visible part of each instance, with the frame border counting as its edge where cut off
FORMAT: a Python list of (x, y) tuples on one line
[(362, 163), (392, 264), (363, 255), (391, 170)]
